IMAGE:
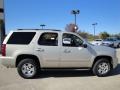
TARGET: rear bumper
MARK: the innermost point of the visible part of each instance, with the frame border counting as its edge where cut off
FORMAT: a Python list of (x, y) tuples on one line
[(8, 61)]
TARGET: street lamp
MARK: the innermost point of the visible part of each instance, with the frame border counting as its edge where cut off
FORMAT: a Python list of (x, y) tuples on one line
[(42, 25), (94, 25), (75, 12)]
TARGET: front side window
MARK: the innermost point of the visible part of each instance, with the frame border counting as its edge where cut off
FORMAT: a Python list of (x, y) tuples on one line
[(71, 40), (48, 39)]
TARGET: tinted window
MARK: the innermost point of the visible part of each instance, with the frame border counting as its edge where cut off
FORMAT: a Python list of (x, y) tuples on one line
[(109, 39), (98, 40), (48, 39), (21, 38), (75, 41)]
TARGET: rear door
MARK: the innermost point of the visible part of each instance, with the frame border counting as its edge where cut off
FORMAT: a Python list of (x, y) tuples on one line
[(48, 49)]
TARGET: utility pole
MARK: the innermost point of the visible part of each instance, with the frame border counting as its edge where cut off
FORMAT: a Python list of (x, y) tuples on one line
[(42, 25), (94, 27), (75, 12)]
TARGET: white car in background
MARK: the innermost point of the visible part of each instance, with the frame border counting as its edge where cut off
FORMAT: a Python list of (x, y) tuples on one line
[(111, 42), (97, 42), (117, 42), (108, 42)]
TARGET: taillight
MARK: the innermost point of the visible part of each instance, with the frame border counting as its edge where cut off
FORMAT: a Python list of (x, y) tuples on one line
[(3, 49)]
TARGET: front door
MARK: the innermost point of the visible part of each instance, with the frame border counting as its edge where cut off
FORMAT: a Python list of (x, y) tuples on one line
[(73, 54)]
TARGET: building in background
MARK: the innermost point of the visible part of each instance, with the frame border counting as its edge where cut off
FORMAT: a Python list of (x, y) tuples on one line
[(2, 22)]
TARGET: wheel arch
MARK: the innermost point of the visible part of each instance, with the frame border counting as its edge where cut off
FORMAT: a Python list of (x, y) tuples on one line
[(109, 58), (23, 56)]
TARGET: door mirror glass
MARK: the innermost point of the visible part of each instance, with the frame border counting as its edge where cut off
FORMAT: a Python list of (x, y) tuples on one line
[(67, 41)]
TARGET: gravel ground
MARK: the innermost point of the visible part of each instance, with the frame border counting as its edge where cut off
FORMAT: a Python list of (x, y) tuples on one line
[(60, 80)]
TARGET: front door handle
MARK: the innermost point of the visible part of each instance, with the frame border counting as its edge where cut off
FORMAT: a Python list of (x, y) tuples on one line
[(67, 51), (40, 50)]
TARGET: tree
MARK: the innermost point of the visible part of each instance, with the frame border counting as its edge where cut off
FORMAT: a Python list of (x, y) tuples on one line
[(86, 35), (83, 34), (104, 35), (71, 27), (116, 35)]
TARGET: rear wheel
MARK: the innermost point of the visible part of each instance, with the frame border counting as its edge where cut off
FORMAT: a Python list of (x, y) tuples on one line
[(27, 68), (102, 67)]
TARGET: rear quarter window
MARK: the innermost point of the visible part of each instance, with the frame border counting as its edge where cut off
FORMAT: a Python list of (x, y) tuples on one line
[(21, 37)]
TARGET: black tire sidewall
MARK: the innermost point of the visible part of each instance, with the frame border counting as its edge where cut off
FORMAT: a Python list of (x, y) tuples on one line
[(119, 45), (95, 67), (22, 63)]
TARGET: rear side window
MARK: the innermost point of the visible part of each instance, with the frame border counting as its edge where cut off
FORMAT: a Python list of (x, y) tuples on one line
[(21, 38), (48, 39)]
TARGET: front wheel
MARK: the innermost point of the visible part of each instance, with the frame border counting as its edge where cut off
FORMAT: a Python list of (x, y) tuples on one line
[(118, 46), (27, 68), (102, 68)]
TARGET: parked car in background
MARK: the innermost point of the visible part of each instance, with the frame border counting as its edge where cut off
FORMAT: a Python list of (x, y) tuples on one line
[(108, 42), (97, 42), (111, 42), (105, 42), (117, 42)]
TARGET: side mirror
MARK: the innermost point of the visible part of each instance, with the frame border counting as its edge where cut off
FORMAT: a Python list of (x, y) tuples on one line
[(85, 45), (67, 41)]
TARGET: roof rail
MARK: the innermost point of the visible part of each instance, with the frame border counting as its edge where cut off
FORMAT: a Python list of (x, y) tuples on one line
[(40, 29), (28, 29)]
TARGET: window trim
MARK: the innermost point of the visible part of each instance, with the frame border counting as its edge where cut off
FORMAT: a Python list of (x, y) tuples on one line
[(48, 33)]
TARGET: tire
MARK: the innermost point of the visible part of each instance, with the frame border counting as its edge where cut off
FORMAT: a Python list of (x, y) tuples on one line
[(118, 46), (27, 68), (102, 67)]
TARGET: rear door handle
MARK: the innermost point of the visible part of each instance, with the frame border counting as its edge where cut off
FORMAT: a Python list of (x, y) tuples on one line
[(40, 50)]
